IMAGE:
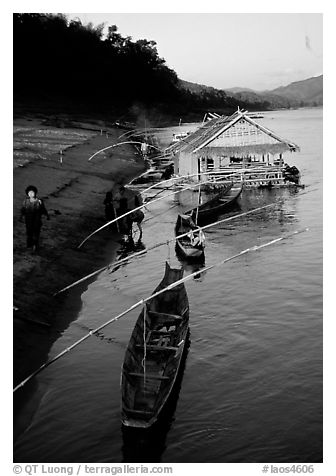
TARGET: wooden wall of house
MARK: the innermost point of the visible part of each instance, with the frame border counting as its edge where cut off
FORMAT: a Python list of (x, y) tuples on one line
[(187, 163), (241, 134)]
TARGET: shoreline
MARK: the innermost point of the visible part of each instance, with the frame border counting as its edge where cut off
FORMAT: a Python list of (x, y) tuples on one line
[(73, 190)]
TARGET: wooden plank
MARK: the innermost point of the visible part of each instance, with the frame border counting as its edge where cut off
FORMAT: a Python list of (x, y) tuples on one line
[(158, 347), (162, 332), (142, 412), (149, 376), (163, 315)]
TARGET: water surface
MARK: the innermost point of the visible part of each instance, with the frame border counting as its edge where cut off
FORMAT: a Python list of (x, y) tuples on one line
[(250, 389)]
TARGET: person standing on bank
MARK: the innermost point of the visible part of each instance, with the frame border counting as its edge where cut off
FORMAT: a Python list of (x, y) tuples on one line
[(128, 200), (137, 216), (121, 198), (110, 211), (32, 209), (109, 207)]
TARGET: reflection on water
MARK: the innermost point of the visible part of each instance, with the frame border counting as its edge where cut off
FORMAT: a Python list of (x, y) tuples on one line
[(192, 267)]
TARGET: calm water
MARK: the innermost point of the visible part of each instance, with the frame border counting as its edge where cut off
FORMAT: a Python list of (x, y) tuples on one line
[(251, 384)]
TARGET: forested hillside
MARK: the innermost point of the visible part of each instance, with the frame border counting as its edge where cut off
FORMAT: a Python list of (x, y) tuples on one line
[(308, 92), (62, 64)]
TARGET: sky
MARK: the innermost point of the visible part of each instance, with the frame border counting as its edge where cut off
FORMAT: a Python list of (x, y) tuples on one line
[(224, 50)]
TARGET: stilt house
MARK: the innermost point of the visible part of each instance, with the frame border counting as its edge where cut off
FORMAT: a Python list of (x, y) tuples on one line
[(231, 143)]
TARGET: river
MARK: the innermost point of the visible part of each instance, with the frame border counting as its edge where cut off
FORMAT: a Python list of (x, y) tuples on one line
[(250, 389)]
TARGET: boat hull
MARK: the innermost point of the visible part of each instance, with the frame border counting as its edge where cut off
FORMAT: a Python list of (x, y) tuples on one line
[(189, 253), (154, 353), (220, 205), (186, 247)]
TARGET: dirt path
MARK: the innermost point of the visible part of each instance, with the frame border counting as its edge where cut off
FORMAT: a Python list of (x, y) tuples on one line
[(73, 191)]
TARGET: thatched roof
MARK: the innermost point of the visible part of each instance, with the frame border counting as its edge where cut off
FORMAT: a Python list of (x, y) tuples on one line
[(203, 139)]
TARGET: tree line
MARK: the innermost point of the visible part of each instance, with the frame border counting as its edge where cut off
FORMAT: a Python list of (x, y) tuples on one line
[(60, 60)]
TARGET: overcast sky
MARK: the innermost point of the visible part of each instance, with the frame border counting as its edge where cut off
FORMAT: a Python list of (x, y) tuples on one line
[(253, 50)]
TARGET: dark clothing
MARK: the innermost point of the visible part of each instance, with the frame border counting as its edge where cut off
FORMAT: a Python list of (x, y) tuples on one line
[(125, 224), (123, 204), (168, 172), (33, 211), (127, 201), (138, 215), (109, 207), (109, 212)]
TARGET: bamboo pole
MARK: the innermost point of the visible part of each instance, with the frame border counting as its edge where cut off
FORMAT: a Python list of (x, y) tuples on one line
[(157, 245), (100, 270), (138, 208), (131, 211), (143, 301), (121, 143), (180, 177), (198, 204)]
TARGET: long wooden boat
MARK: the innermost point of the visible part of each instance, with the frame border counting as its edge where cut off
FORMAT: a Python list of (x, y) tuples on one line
[(191, 246), (154, 353), (221, 203), (152, 176)]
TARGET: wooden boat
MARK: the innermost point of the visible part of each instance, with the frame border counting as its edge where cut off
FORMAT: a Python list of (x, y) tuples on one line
[(154, 353), (191, 246), (149, 177), (219, 204), (180, 136), (153, 175)]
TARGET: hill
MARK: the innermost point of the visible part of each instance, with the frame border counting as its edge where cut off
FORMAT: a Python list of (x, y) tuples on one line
[(87, 72), (308, 92)]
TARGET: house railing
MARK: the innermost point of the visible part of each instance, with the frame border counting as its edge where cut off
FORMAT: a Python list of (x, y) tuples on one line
[(251, 176)]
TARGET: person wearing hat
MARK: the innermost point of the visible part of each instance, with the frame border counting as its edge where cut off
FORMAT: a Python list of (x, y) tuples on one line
[(32, 209)]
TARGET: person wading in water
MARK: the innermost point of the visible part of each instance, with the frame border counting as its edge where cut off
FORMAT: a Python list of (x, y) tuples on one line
[(32, 210)]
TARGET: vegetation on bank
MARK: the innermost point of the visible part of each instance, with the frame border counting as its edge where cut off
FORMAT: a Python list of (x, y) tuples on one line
[(63, 65), (57, 61)]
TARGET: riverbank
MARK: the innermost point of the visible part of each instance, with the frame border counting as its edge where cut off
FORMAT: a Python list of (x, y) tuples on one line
[(54, 158)]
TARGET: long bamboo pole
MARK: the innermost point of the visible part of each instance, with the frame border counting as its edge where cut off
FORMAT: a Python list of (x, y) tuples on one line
[(190, 187), (157, 245), (182, 177), (120, 143), (143, 301), (198, 204), (100, 270)]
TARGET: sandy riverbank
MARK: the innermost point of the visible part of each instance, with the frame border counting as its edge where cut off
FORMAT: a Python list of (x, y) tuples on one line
[(73, 190)]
